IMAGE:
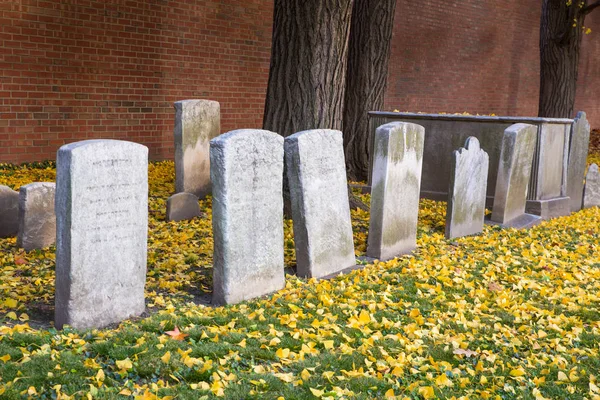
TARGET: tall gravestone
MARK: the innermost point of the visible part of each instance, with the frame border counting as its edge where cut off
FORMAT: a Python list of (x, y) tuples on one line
[(9, 212), (37, 220), (316, 173), (591, 196), (467, 193), (102, 229), (578, 152), (396, 182), (514, 172), (246, 168), (196, 123)]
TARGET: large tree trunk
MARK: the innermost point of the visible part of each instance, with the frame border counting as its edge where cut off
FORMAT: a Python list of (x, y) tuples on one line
[(560, 42), (368, 57), (308, 65)]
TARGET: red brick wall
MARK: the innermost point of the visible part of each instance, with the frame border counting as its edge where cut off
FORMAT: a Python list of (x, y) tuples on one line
[(79, 69), (479, 57)]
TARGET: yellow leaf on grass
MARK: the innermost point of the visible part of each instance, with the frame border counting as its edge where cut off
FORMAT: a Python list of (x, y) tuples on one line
[(317, 393), (282, 353), (5, 357), (518, 372), (166, 357), (124, 364), (364, 317), (305, 375), (427, 392), (562, 377), (390, 394)]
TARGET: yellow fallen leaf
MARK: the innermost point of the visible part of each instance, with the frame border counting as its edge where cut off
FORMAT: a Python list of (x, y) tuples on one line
[(166, 357)]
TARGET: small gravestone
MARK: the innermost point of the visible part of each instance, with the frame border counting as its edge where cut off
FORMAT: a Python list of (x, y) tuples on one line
[(246, 169), (196, 123), (465, 211), (37, 221), (182, 206), (9, 212), (101, 235), (578, 151), (591, 197), (514, 171), (316, 172), (396, 182)]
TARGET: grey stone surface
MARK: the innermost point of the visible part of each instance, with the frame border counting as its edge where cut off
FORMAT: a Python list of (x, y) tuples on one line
[(396, 181), (467, 192), (547, 209), (196, 123), (182, 206), (37, 220), (247, 175), (316, 172), (514, 171), (102, 230), (591, 196), (578, 152), (524, 221), (551, 165), (9, 212)]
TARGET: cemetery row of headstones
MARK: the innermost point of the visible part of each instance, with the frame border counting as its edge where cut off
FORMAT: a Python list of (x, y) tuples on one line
[(102, 193)]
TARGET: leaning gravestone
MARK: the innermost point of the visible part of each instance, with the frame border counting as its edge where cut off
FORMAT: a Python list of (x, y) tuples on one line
[(102, 229), (246, 169), (591, 196), (37, 220), (182, 206), (578, 151), (9, 212), (514, 171), (316, 172), (196, 123), (467, 194), (396, 182)]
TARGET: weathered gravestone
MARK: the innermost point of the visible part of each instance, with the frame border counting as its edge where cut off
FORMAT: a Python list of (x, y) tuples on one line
[(514, 171), (37, 220), (591, 196), (396, 182), (9, 212), (467, 193), (246, 168), (196, 123), (316, 173), (102, 229), (578, 151), (182, 206)]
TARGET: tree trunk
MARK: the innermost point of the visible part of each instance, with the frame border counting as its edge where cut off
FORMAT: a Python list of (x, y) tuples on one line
[(368, 57), (560, 42), (308, 65)]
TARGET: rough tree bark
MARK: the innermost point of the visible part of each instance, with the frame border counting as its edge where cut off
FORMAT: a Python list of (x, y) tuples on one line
[(561, 30), (308, 65), (368, 57)]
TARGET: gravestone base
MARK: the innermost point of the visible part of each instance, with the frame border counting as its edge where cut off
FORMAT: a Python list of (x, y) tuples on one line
[(364, 189), (552, 208), (523, 221)]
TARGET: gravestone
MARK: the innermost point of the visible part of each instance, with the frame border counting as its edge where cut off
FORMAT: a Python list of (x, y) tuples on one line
[(182, 206), (591, 197), (246, 169), (578, 152), (316, 173), (196, 123), (101, 235), (467, 193), (396, 182), (9, 212), (514, 172), (37, 221)]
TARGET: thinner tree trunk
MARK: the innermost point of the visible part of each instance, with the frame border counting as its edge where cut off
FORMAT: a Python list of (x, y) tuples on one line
[(308, 65), (560, 42), (368, 58)]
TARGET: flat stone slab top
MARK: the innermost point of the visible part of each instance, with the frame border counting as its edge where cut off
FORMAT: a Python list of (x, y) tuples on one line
[(578, 152), (182, 206), (396, 181), (316, 172), (591, 197), (196, 123), (467, 193), (514, 171), (102, 231), (37, 220), (246, 168), (9, 212)]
